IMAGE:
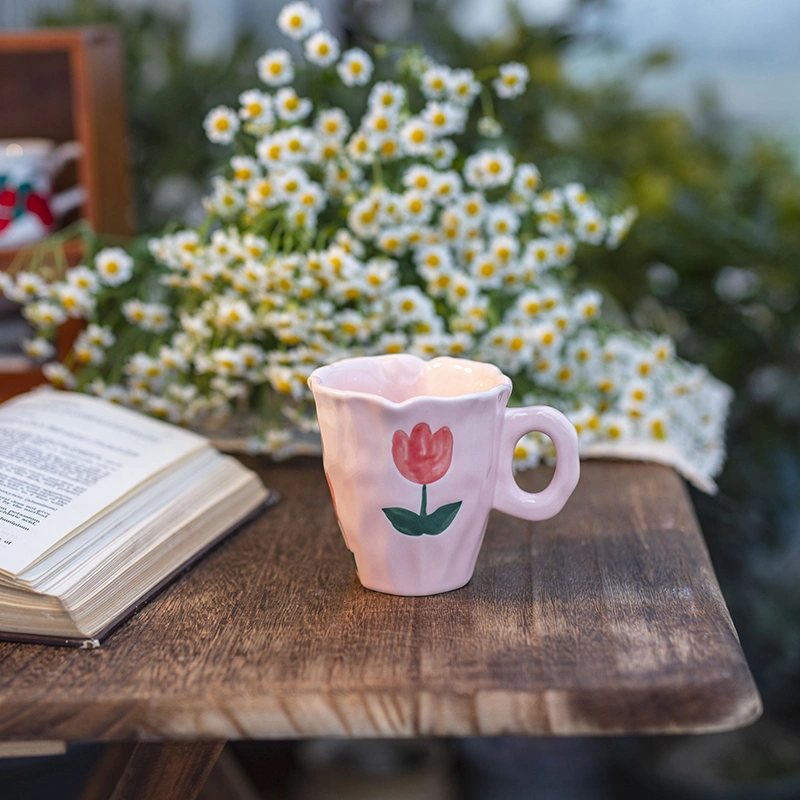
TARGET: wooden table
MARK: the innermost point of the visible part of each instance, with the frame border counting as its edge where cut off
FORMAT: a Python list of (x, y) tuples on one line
[(605, 620)]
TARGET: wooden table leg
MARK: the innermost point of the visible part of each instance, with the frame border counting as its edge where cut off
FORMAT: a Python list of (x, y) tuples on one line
[(163, 770)]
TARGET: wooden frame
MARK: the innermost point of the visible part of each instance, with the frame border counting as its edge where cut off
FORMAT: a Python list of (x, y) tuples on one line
[(68, 84)]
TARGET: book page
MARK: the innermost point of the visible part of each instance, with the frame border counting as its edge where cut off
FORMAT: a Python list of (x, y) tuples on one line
[(64, 458)]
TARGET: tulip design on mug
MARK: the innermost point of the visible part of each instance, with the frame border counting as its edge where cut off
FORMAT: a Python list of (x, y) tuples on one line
[(423, 457)]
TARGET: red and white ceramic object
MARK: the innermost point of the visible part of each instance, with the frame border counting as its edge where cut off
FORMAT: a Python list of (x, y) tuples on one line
[(29, 211), (417, 453)]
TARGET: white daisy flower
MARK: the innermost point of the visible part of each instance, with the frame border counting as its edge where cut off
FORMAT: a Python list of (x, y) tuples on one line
[(442, 153), (416, 207), (502, 220), (488, 169), (87, 354), (416, 136), (245, 170), (221, 124), (587, 305), (392, 342), (42, 314), (59, 376), (527, 180), (83, 278), (355, 67), (526, 453), (512, 81), (387, 96), (38, 348), (462, 87), (256, 108), (379, 124), (298, 20), (435, 82), (359, 148), (618, 227), (289, 107), (114, 266), (333, 123), (99, 336), (25, 288), (563, 248), (577, 198), (444, 118), (275, 67), (615, 427), (421, 178), (322, 49)]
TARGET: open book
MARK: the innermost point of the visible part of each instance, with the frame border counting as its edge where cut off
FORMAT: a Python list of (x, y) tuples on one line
[(100, 507)]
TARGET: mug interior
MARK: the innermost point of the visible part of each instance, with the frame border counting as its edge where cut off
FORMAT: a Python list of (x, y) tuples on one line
[(401, 377)]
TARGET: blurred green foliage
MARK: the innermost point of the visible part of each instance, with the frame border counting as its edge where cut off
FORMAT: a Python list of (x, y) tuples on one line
[(710, 197)]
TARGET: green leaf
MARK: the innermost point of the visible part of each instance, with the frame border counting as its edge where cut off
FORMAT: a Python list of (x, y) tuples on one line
[(405, 521), (441, 519)]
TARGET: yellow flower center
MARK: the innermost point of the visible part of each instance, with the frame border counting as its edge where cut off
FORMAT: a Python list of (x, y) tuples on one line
[(295, 21), (254, 109), (356, 67), (415, 206), (222, 123), (407, 305), (275, 68), (292, 103), (516, 344), (112, 267)]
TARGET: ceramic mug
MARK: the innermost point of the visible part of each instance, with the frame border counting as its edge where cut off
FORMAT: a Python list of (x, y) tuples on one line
[(417, 453), (28, 209)]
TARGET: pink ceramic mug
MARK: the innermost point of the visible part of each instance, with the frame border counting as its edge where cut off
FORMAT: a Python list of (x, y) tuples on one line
[(417, 453)]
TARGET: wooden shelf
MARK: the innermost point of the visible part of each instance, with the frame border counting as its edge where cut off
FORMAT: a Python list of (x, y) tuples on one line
[(606, 619), (67, 84)]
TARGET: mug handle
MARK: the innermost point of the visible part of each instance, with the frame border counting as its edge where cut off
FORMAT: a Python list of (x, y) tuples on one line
[(508, 497), (64, 153)]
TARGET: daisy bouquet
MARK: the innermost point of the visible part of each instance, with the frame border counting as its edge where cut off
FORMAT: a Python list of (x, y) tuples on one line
[(354, 217)]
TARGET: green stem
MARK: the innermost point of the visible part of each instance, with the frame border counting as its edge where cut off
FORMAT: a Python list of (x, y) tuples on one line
[(423, 510)]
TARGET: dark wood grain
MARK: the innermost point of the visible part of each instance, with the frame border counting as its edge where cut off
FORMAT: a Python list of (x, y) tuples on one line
[(606, 619), (167, 770)]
